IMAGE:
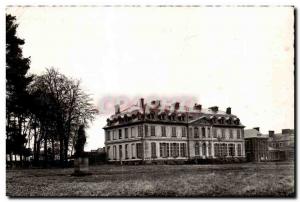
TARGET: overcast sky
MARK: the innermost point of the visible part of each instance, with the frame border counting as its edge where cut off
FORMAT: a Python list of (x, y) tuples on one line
[(240, 57)]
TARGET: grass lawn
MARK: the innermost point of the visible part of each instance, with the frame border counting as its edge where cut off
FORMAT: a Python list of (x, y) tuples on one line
[(248, 179)]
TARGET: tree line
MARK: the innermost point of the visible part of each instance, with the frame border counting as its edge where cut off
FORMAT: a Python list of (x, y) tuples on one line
[(43, 112)]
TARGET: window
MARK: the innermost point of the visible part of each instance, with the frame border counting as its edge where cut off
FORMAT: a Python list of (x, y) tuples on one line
[(174, 150), (173, 131), (140, 131), (132, 132), (126, 151), (120, 152), (114, 134), (231, 149), (238, 136), (164, 149), (239, 150), (107, 135), (209, 149), (217, 150), (163, 131), (126, 132), (114, 152), (146, 130), (223, 133), (107, 152), (196, 132), (139, 150), (208, 132), (203, 132), (242, 133), (223, 148), (120, 134), (153, 150), (133, 151), (215, 132), (183, 132), (183, 149), (152, 130), (230, 134), (204, 149), (196, 149)]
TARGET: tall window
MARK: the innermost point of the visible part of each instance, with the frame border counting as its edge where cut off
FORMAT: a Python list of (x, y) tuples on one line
[(231, 149), (223, 133), (146, 130), (152, 130), (108, 152), (238, 135), (139, 150), (120, 152), (242, 133), (215, 132), (114, 135), (163, 131), (204, 149), (217, 150), (126, 151), (164, 149), (107, 135), (132, 132), (230, 133), (209, 149), (153, 150), (133, 152), (223, 148), (183, 130), (140, 131), (126, 132), (114, 152), (196, 132), (203, 132), (196, 149), (174, 150), (183, 149), (120, 134), (173, 131), (239, 150), (208, 132)]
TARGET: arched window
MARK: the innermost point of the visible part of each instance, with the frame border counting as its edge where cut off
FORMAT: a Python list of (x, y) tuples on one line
[(196, 149), (203, 132), (196, 132), (204, 149)]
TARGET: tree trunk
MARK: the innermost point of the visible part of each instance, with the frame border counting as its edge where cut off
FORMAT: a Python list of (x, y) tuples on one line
[(45, 150), (53, 149), (61, 151)]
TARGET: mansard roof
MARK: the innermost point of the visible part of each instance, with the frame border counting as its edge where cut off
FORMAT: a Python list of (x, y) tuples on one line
[(175, 113)]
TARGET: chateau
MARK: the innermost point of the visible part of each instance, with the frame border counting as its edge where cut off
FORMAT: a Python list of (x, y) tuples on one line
[(152, 132)]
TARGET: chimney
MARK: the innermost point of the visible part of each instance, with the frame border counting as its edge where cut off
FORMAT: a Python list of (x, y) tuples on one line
[(228, 110), (176, 105), (286, 131), (271, 133), (197, 106), (117, 109), (142, 103), (214, 108), (256, 128)]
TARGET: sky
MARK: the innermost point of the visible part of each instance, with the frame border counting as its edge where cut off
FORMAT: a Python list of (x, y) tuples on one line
[(238, 57)]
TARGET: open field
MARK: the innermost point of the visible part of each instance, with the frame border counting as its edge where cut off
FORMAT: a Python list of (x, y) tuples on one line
[(264, 179)]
